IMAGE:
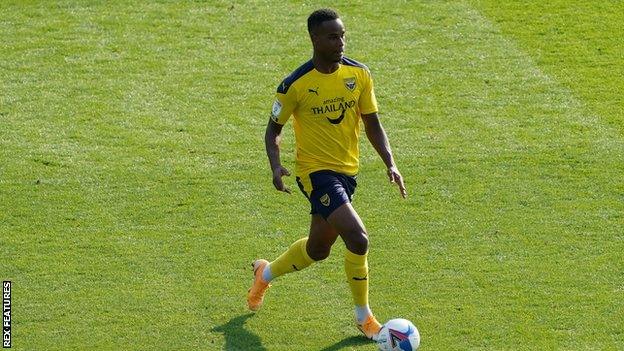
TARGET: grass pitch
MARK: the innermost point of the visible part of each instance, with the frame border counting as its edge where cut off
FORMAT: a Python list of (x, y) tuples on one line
[(135, 191)]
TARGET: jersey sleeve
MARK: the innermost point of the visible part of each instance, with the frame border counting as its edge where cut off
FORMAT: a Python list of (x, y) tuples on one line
[(368, 101), (284, 104)]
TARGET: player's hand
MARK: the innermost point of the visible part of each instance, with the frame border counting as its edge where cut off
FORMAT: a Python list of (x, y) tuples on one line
[(278, 173), (395, 177)]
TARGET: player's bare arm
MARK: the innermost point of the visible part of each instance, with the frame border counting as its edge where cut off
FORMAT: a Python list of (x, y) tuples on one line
[(272, 138), (378, 138)]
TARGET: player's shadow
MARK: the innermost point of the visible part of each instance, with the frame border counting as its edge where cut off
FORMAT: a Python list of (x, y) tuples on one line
[(348, 342), (237, 337)]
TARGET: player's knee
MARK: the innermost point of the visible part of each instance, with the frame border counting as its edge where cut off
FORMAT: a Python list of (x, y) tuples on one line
[(319, 253), (358, 242), (318, 250)]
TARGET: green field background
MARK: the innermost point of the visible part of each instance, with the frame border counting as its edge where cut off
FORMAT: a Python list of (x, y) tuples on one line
[(135, 190)]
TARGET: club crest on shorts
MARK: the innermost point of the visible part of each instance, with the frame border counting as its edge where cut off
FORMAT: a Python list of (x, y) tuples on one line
[(325, 200), (350, 83)]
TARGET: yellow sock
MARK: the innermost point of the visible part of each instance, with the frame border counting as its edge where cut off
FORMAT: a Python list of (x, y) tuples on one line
[(294, 259), (356, 267)]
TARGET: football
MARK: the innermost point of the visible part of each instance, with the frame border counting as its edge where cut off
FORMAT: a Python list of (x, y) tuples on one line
[(398, 335)]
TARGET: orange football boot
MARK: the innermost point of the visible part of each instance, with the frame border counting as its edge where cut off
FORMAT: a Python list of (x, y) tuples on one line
[(255, 294), (370, 328)]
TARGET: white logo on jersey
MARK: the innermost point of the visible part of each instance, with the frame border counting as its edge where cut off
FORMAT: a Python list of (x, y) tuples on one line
[(277, 108)]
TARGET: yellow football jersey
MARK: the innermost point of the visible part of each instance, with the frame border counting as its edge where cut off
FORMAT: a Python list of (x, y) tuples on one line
[(326, 110)]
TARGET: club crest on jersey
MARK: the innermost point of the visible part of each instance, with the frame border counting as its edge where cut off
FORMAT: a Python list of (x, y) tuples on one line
[(325, 200), (350, 83)]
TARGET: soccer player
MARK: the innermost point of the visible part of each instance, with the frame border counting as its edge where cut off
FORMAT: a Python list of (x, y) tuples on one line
[(327, 96)]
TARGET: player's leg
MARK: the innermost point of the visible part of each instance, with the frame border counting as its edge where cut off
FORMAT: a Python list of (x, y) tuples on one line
[(305, 251), (301, 254), (347, 222), (322, 237), (295, 258)]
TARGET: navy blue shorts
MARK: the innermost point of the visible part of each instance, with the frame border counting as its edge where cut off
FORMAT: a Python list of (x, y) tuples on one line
[(330, 190)]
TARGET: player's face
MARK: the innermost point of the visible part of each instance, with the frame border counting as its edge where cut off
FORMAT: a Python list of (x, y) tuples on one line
[(329, 40)]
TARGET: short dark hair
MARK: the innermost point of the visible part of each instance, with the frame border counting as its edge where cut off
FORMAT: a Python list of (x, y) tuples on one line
[(319, 16)]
